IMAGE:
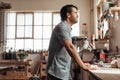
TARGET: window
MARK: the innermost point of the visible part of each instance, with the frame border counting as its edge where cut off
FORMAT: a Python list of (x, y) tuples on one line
[(31, 30), (24, 25)]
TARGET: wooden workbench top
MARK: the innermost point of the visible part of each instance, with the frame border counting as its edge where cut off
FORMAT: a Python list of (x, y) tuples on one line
[(15, 62), (106, 73)]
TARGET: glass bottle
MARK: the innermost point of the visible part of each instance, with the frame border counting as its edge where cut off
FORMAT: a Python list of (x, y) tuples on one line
[(102, 55)]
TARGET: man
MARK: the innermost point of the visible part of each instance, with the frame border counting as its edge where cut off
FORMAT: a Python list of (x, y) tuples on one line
[(61, 48)]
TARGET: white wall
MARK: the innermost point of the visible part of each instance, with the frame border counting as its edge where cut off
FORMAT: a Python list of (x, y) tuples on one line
[(115, 39)]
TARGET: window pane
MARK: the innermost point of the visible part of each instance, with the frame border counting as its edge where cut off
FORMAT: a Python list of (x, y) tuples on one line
[(10, 44), (28, 19), (28, 31), (28, 44), (11, 18), (20, 19), (47, 18), (19, 44), (75, 30), (37, 18), (37, 31), (45, 44), (20, 31), (53, 27), (10, 32), (56, 19), (47, 31), (37, 44)]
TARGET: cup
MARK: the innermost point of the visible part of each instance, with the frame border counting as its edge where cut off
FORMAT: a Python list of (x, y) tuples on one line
[(118, 61)]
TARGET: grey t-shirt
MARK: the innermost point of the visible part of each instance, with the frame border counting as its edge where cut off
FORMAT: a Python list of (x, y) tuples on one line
[(59, 59)]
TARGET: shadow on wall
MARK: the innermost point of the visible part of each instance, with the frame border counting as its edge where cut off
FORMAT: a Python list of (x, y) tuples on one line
[(36, 62)]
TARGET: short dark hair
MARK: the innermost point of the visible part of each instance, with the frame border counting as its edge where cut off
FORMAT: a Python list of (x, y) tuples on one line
[(66, 9)]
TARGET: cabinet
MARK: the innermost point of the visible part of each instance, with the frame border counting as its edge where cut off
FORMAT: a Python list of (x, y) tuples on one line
[(92, 77), (87, 75)]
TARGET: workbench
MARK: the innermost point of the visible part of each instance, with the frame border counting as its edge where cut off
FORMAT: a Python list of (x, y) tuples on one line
[(103, 73), (26, 64)]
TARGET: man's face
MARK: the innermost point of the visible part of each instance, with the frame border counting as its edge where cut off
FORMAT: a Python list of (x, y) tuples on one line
[(73, 16)]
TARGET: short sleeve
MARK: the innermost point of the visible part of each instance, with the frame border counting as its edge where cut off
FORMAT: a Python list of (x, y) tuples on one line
[(63, 33)]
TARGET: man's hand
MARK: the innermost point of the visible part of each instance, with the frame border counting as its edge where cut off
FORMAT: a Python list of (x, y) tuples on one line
[(89, 67)]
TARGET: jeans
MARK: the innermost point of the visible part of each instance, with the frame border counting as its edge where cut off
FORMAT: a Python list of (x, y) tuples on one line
[(50, 77)]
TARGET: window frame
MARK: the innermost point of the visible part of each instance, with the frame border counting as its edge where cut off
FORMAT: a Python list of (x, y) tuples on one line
[(16, 26)]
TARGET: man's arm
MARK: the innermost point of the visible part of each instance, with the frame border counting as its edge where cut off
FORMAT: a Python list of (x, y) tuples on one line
[(74, 54)]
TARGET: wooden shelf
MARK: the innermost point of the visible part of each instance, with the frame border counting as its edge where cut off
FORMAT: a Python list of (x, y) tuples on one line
[(17, 63), (103, 41), (115, 8)]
